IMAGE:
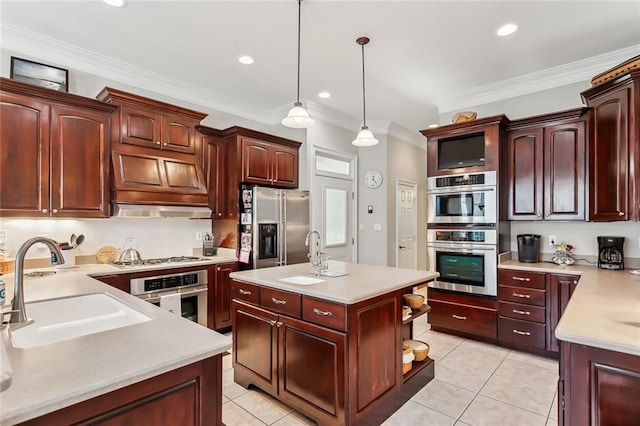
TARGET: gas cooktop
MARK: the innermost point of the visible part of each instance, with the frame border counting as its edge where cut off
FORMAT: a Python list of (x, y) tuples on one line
[(159, 261)]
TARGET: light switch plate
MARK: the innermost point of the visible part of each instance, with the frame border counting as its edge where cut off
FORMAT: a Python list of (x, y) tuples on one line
[(377, 227)]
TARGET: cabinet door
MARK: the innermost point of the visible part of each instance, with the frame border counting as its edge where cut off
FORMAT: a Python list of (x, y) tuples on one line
[(139, 126), (256, 162), (564, 171), (525, 177), (559, 290), (80, 142), (178, 134), (608, 157), (255, 345), (214, 162), (312, 369), (24, 156), (222, 313), (285, 167)]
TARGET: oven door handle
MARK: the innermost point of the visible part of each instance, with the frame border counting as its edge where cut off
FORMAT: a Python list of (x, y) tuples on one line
[(460, 249), (182, 294), (461, 190)]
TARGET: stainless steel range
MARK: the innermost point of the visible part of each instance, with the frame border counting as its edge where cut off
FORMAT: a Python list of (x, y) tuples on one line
[(159, 261)]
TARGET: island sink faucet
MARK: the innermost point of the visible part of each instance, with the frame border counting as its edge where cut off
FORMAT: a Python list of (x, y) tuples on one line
[(315, 257), (18, 312)]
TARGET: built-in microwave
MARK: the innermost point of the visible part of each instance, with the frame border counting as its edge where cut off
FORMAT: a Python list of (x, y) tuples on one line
[(465, 258), (467, 199)]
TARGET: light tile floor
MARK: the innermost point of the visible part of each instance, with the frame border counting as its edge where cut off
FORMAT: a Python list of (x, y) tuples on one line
[(475, 384)]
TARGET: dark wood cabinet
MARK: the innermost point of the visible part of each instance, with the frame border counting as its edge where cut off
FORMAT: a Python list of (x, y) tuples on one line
[(597, 386), (614, 150), (215, 164), (54, 153), (268, 164), (156, 155), (559, 290), (222, 296), (546, 166), (190, 396), (354, 350), (462, 314)]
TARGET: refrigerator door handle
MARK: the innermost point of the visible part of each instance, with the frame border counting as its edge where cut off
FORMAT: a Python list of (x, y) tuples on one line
[(283, 235)]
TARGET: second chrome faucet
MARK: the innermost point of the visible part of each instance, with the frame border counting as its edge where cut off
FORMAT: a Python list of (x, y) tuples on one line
[(315, 256)]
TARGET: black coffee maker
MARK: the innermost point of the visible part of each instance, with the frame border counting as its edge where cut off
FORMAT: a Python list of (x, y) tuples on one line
[(611, 253), (528, 248)]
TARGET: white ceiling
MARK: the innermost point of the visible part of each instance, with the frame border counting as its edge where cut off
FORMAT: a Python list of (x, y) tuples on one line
[(425, 57)]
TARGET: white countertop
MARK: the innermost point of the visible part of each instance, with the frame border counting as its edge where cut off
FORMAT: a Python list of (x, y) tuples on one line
[(50, 377), (604, 310), (362, 282)]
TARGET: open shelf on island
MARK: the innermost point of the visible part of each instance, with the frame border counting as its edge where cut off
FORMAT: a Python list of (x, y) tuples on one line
[(416, 367), (415, 313)]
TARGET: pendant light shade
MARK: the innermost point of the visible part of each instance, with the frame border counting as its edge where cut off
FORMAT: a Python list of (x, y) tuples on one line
[(364, 136), (298, 117)]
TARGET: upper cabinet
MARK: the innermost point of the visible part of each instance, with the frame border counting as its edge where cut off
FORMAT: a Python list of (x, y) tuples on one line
[(469, 147), (54, 153), (269, 164), (545, 166), (215, 159), (156, 152), (614, 151)]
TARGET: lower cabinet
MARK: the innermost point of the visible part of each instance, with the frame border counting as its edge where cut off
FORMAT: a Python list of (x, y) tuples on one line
[(598, 386), (220, 306), (187, 396), (560, 289)]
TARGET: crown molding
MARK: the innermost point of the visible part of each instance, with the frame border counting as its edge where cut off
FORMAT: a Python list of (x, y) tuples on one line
[(391, 128), (550, 78), (50, 49)]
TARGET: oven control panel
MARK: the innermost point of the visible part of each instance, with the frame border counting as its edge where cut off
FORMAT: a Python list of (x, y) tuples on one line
[(140, 286)]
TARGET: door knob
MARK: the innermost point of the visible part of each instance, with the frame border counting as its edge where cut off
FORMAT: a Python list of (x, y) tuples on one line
[(401, 247)]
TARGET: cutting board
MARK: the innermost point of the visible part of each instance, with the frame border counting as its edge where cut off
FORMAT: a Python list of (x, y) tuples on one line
[(107, 254)]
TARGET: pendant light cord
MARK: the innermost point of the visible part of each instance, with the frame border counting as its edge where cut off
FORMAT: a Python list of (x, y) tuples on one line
[(298, 91), (364, 103)]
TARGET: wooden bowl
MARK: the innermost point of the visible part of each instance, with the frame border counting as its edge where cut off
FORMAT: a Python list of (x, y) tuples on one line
[(420, 348), (407, 358), (414, 301)]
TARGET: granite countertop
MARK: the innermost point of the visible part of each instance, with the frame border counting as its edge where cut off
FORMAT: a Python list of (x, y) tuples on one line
[(49, 377), (362, 282), (604, 310)]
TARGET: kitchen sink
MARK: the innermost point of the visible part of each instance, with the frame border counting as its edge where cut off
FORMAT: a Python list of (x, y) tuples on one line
[(301, 280), (56, 320)]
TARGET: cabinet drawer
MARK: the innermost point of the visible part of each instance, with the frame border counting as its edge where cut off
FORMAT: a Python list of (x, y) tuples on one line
[(514, 278), (522, 295), (522, 312), (247, 292), (468, 319), (321, 312), (281, 301), (521, 332)]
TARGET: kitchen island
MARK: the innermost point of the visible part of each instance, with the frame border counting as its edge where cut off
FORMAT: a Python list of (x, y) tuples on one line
[(138, 373), (328, 346)]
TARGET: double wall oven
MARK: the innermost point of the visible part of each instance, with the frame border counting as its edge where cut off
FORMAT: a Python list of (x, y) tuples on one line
[(462, 240)]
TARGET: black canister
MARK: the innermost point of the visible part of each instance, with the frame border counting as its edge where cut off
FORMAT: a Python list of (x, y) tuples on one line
[(528, 248)]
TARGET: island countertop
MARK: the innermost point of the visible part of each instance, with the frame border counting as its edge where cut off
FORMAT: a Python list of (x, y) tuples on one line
[(604, 310), (49, 377), (361, 282)]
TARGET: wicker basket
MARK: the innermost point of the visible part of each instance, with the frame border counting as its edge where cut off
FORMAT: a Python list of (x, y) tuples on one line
[(414, 301), (407, 358), (420, 348), (7, 265)]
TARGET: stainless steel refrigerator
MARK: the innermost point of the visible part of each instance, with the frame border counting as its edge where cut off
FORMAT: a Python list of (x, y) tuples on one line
[(280, 222)]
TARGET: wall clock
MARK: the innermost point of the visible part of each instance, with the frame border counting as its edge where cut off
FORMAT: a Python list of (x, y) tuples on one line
[(373, 179)]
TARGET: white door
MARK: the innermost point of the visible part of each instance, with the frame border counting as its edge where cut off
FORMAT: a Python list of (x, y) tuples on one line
[(406, 225), (333, 204)]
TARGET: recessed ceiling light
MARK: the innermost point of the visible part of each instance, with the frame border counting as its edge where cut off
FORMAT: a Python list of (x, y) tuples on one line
[(433, 126), (507, 29), (245, 59), (324, 95), (116, 3)]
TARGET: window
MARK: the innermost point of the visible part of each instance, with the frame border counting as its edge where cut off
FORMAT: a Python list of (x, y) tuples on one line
[(333, 165), (335, 215)]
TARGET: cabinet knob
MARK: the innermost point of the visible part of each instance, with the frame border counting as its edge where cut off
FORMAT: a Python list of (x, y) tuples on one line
[(157, 142), (219, 214), (166, 143), (219, 268), (55, 210), (45, 211), (620, 213)]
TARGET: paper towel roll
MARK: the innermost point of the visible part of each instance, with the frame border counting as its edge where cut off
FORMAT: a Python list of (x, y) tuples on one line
[(172, 303)]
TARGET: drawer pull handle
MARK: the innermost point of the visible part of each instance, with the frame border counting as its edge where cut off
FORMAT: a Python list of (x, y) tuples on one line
[(244, 292), (522, 333), (521, 279), (459, 317), (323, 313), (522, 296), (517, 311), (278, 301)]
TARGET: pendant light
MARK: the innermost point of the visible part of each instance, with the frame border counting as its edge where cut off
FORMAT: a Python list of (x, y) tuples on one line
[(298, 117), (364, 137)]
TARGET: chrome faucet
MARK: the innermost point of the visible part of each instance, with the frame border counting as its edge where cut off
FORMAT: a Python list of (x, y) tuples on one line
[(18, 312), (316, 257)]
